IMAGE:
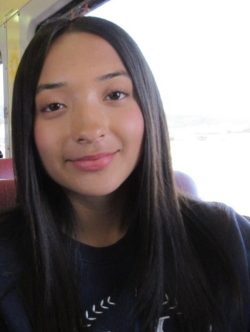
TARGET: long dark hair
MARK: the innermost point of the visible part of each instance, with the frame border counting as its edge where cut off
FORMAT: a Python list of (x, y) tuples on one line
[(167, 258)]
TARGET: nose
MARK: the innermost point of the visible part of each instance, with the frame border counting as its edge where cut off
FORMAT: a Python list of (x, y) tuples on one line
[(89, 124)]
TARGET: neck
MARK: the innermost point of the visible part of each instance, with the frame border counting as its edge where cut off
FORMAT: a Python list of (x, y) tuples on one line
[(99, 219)]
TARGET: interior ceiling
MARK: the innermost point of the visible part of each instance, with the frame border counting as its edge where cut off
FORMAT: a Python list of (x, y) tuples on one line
[(8, 7)]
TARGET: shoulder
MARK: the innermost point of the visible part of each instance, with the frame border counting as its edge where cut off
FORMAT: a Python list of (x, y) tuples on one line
[(215, 216), (221, 238), (12, 230), (222, 226), (12, 225)]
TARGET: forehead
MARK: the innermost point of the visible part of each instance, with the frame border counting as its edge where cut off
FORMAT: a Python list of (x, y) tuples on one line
[(74, 49)]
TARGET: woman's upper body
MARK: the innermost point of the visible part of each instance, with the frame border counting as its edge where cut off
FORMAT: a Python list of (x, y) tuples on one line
[(101, 238), (103, 271)]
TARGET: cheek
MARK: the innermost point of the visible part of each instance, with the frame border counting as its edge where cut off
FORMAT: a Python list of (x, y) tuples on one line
[(134, 127), (43, 140)]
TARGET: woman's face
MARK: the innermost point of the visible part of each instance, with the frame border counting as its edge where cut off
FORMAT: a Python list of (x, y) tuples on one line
[(88, 126)]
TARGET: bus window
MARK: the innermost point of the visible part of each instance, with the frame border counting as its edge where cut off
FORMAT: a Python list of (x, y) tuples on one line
[(199, 53), (1, 110)]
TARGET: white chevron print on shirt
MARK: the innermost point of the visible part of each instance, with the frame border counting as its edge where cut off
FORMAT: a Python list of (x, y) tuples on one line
[(97, 310)]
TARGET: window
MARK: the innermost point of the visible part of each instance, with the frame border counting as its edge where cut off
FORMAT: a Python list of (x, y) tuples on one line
[(199, 53), (2, 148)]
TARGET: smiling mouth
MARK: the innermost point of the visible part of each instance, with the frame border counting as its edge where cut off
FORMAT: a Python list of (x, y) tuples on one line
[(93, 163)]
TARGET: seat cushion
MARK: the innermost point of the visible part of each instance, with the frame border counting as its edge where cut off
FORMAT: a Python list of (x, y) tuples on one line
[(7, 193)]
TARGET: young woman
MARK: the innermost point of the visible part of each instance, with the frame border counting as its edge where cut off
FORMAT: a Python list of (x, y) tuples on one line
[(100, 239)]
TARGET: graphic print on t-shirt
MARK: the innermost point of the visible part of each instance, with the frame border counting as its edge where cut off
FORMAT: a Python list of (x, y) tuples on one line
[(107, 313), (97, 310), (169, 310)]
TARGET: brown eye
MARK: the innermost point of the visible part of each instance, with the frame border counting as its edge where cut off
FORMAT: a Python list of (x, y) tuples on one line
[(116, 95), (53, 107)]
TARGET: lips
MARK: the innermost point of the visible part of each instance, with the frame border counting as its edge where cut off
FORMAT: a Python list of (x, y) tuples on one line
[(93, 163)]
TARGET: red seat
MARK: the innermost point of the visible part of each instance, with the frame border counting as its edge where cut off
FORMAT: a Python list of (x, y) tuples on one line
[(7, 184), (6, 169), (7, 193)]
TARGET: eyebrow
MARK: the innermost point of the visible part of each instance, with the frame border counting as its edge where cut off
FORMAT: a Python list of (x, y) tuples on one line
[(57, 85), (109, 76), (49, 86)]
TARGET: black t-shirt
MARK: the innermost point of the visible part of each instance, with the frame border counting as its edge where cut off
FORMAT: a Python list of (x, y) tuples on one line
[(106, 292)]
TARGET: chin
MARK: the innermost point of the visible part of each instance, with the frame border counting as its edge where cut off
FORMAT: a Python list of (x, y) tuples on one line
[(96, 192)]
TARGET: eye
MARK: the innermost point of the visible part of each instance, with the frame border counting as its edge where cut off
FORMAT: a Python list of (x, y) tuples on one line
[(116, 95), (53, 107)]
